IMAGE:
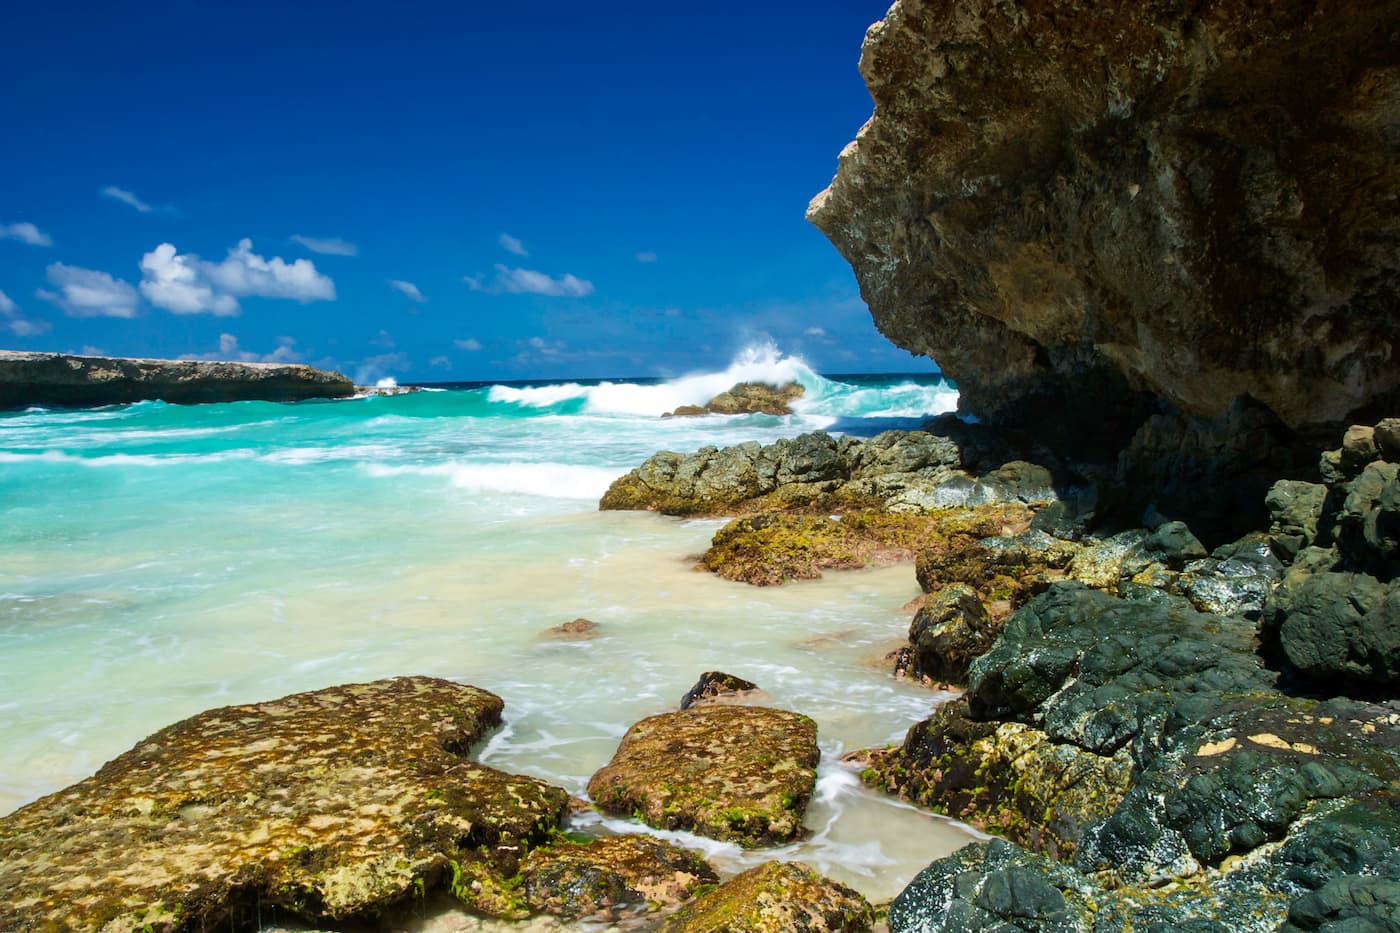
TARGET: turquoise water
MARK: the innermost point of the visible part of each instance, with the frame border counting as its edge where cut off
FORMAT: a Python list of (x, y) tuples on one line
[(158, 560)]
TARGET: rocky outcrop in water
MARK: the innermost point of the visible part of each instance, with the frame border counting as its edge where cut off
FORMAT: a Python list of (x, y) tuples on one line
[(64, 381), (328, 805), (738, 773), (746, 398), (1083, 211), (778, 897)]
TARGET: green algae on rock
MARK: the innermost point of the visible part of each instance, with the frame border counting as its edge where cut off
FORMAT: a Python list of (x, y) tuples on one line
[(1004, 778), (738, 773), (776, 897), (328, 805), (611, 875)]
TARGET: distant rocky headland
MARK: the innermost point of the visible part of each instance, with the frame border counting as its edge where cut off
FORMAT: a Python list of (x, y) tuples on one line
[(63, 380)]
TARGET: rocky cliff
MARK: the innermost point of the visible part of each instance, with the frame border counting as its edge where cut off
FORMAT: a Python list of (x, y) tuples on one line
[(1083, 210), (57, 379)]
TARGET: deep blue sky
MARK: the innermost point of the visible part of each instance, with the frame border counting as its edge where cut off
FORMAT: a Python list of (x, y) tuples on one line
[(431, 191)]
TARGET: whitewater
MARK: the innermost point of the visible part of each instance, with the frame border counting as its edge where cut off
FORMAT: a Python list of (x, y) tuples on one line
[(159, 560)]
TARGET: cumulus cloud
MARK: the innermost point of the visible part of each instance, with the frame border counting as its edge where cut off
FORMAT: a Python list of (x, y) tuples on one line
[(177, 284), (815, 332), (409, 289), (15, 323), (25, 233), (647, 256), (511, 245), (530, 282), (330, 246), (89, 293), (470, 344), (182, 283), (229, 349), (127, 198)]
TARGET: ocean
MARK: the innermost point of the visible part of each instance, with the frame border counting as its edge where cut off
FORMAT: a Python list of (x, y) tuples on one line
[(158, 560)]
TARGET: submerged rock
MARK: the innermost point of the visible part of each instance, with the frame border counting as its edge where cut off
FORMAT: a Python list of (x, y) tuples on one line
[(577, 630), (66, 381), (330, 805), (777, 897), (738, 773)]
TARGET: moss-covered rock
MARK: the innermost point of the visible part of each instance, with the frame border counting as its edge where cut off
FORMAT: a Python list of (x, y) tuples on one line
[(328, 805), (777, 897), (737, 773), (611, 875), (714, 685), (1003, 778)]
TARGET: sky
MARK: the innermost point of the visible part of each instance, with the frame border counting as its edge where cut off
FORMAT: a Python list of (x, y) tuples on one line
[(431, 191)]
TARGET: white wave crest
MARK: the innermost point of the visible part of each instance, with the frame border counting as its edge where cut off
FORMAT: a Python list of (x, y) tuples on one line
[(550, 480), (757, 363)]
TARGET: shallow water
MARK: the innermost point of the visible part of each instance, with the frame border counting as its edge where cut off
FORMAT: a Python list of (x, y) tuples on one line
[(156, 561)]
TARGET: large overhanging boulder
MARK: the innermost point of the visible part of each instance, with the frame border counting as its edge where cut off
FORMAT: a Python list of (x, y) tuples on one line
[(1082, 209)]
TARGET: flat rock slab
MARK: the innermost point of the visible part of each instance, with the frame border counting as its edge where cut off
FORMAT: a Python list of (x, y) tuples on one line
[(777, 897), (67, 381), (738, 773), (329, 804)]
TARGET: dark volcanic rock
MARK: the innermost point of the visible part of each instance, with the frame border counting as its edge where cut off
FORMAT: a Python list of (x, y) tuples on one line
[(1084, 209), (1243, 806), (738, 773), (329, 805), (1338, 632), (948, 632), (714, 684), (777, 897), (60, 380)]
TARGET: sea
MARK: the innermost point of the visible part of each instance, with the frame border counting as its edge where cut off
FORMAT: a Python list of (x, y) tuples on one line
[(158, 560)]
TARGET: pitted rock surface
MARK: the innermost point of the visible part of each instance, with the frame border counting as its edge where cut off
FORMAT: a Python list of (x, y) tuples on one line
[(737, 773), (330, 805)]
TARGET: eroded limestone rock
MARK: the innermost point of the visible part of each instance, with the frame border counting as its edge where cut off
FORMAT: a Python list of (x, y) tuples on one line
[(67, 381), (738, 773), (330, 805), (777, 897), (1083, 209)]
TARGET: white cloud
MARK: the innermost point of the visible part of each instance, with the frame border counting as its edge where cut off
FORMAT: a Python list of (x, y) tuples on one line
[(330, 246), (815, 332), (186, 284), (126, 197), (16, 324), (511, 245), (89, 293), (471, 344), (530, 282), (382, 340), (409, 289), (545, 347), (647, 256), (176, 283), (440, 362), (229, 349), (25, 233)]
